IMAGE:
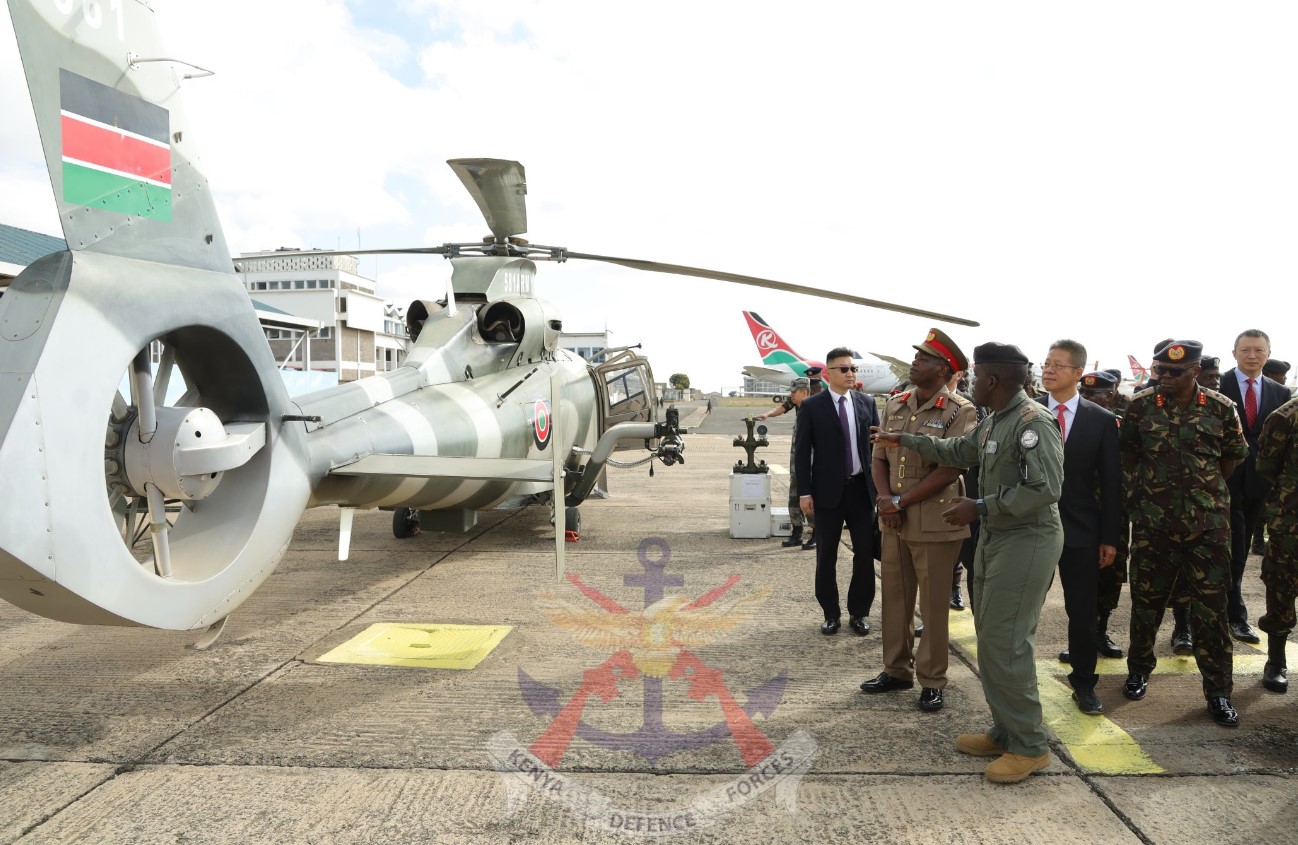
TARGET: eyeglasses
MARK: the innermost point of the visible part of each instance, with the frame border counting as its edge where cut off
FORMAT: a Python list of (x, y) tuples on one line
[(1173, 372), (1051, 365), (844, 369)]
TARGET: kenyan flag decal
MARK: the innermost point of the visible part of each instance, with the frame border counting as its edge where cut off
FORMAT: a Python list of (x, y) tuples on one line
[(116, 149), (541, 427)]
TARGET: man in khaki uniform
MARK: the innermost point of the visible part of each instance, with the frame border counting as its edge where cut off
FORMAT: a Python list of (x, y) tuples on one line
[(919, 547)]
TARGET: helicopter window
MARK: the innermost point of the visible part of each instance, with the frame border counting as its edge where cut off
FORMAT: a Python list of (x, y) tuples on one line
[(626, 390)]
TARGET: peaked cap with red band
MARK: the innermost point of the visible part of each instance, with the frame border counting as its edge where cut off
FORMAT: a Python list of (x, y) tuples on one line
[(940, 345)]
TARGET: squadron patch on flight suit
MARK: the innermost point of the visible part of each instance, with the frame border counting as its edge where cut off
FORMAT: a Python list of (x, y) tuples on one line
[(1029, 439)]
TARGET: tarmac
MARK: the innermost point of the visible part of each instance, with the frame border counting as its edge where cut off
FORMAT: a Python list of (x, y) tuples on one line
[(675, 686)]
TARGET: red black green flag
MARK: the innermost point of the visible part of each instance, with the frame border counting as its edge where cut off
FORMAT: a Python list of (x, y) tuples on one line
[(116, 149)]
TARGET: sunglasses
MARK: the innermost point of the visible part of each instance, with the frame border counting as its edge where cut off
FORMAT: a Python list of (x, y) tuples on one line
[(1174, 372), (844, 369)]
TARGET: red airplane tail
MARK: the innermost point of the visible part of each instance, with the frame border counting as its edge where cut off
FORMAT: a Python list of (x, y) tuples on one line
[(1138, 370), (772, 347)]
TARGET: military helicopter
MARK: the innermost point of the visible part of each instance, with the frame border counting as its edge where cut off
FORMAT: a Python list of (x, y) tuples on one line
[(486, 410)]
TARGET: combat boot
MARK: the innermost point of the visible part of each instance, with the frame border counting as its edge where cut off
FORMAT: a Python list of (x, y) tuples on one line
[(811, 540), (1105, 646), (1274, 675), (1182, 641), (795, 539), (1012, 768)]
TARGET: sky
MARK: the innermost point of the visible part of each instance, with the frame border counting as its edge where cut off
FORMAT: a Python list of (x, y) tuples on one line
[(1113, 172)]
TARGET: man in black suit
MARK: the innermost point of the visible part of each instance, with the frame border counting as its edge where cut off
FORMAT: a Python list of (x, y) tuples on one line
[(832, 460), (1089, 508), (1255, 396)]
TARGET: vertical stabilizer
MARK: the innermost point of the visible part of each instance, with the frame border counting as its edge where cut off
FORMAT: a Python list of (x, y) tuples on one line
[(123, 168), (773, 349)]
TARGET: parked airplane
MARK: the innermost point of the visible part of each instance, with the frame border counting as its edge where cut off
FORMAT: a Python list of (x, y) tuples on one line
[(1138, 370), (781, 365)]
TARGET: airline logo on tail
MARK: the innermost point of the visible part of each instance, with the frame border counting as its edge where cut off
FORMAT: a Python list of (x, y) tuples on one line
[(770, 345), (1138, 370)]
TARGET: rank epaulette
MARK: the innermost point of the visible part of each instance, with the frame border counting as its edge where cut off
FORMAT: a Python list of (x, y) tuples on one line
[(940, 403), (958, 400), (903, 397), (1203, 399)]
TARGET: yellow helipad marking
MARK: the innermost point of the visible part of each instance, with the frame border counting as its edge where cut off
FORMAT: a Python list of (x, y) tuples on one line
[(421, 646), (1095, 742)]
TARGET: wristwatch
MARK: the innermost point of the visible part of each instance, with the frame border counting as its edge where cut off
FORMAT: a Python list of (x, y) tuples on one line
[(981, 506), (896, 502)]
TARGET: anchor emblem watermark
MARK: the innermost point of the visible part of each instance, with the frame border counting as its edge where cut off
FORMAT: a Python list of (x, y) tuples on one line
[(651, 647)]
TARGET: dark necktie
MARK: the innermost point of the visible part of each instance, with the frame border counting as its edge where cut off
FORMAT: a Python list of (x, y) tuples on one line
[(1250, 404), (847, 434)]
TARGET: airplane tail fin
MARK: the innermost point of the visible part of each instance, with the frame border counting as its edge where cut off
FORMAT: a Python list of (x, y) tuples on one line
[(772, 347), (1138, 370), (93, 457)]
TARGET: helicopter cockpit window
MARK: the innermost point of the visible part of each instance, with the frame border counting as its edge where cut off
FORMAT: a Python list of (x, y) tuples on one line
[(626, 390)]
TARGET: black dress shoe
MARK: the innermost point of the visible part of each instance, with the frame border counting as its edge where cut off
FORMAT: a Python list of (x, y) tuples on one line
[(1088, 702), (930, 700), (885, 683), (1136, 686), (957, 600), (1242, 632), (1182, 642), (830, 626), (1106, 647), (1222, 712), (1065, 657), (859, 625), (795, 539), (811, 541)]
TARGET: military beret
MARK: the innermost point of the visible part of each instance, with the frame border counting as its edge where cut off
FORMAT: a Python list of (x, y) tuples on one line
[(1180, 352), (938, 343), (999, 353), (1275, 365), (813, 371), (1213, 363), (800, 384), (1117, 375), (1099, 380)]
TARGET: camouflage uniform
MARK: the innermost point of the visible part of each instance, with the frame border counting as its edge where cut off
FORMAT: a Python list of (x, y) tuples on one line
[(1180, 514), (1277, 460), (1020, 456), (796, 517)]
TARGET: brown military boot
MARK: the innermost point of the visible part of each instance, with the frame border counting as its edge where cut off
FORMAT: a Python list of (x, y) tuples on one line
[(1012, 768), (979, 745)]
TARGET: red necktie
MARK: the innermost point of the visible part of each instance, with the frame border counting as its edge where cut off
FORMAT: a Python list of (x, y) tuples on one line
[(1250, 404), (1063, 426), (847, 433)]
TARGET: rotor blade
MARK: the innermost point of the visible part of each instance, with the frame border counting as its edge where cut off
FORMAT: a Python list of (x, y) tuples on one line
[(498, 187), (142, 395), (324, 253), (158, 529), (166, 364), (658, 267)]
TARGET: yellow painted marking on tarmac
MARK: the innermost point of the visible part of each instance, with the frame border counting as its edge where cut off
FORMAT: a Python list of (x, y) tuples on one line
[(1095, 742), (422, 646), (960, 630)]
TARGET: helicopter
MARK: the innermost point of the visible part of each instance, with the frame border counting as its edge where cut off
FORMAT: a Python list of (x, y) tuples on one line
[(486, 410)]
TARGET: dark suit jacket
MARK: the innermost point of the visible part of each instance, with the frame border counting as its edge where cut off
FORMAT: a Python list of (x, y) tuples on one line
[(1091, 501), (1245, 480), (818, 453)]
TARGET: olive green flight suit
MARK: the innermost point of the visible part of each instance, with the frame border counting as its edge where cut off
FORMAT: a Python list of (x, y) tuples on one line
[(1020, 456)]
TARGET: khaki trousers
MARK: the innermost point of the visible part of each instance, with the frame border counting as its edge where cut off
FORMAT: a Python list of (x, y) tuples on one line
[(908, 568)]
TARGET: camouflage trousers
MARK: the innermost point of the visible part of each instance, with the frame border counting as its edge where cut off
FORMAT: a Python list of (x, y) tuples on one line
[(1280, 574), (797, 518), (1198, 565), (1112, 577)]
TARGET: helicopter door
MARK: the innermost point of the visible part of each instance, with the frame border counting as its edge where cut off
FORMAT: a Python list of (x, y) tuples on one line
[(626, 388)]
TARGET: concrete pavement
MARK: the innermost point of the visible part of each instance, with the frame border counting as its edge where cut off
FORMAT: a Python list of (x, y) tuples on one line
[(745, 726)]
